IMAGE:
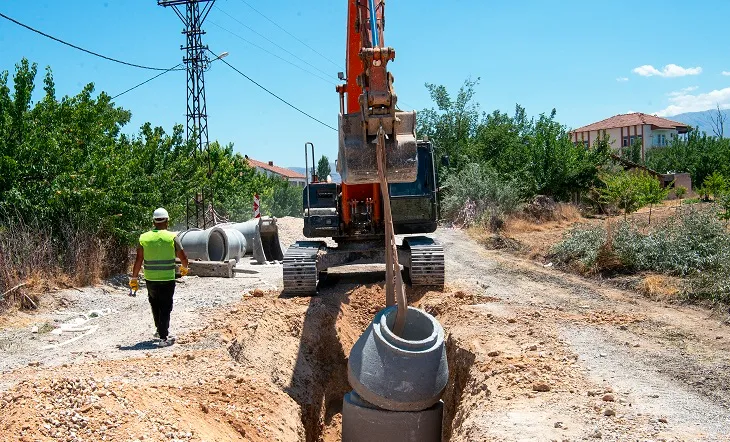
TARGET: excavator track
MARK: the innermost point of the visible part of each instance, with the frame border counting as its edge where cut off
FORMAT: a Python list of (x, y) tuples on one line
[(300, 268), (427, 262)]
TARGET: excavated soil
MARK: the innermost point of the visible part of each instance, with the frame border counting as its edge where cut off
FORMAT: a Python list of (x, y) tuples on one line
[(534, 354)]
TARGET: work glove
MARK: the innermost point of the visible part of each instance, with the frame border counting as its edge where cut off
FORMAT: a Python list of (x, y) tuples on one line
[(184, 271), (134, 284)]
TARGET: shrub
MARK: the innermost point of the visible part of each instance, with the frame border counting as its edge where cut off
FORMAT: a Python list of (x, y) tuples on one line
[(580, 244), (476, 195), (694, 244)]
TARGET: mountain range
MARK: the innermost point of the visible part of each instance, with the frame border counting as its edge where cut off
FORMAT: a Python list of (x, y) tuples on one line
[(702, 120)]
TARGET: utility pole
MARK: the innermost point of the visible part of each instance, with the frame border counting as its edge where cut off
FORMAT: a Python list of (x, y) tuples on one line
[(196, 59)]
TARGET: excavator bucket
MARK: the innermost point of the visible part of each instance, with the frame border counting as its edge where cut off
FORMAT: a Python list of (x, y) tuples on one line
[(356, 160)]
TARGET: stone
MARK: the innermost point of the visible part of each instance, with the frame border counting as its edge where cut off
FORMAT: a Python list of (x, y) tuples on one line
[(608, 397), (257, 293), (609, 412), (493, 353), (663, 420), (541, 387)]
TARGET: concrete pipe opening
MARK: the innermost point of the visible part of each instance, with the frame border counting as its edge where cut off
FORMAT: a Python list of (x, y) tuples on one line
[(420, 332), (205, 245), (381, 362)]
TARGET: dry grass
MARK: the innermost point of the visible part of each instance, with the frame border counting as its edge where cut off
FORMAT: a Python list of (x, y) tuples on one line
[(660, 287), (33, 262)]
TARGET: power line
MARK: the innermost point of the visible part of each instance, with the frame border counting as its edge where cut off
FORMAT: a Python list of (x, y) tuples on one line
[(271, 53), (80, 48), (276, 96), (147, 81), (291, 35), (273, 42)]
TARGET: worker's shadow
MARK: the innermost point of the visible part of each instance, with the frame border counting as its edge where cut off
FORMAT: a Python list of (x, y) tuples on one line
[(144, 345)]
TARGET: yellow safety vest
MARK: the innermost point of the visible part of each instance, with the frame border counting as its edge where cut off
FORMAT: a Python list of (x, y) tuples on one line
[(159, 255)]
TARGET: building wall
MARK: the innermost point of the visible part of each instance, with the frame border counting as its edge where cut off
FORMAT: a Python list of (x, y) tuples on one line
[(669, 135), (301, 182)]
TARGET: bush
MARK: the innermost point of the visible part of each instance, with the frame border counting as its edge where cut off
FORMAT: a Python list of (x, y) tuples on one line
[(477, 196), (694, 244), (580, 244)]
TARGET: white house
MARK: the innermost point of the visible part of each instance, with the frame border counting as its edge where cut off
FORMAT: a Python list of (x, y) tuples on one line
[(623, 129), (269, 169)]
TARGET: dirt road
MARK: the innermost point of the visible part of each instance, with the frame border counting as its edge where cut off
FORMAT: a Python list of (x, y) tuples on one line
[(534, 354)]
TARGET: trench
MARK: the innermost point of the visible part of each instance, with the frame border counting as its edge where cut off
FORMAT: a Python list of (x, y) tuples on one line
[(317, 378)]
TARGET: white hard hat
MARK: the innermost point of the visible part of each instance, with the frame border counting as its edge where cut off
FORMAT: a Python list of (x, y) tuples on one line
[(160, 215)]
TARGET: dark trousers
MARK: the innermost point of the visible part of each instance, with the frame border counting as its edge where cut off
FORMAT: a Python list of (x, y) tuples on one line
[(160, 294)]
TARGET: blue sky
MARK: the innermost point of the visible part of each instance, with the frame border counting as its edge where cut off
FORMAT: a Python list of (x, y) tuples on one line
[(588, 59)]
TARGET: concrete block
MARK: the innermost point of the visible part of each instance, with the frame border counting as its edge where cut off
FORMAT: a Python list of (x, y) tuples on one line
[(363, 422), (400, 373), (214, 269)]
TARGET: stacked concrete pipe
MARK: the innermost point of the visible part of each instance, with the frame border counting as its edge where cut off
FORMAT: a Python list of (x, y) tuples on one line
[(236, 243), (397, 380), (262, 238), (205, 245)]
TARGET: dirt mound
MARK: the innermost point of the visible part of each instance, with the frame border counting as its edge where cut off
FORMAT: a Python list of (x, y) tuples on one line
[(188, 396)]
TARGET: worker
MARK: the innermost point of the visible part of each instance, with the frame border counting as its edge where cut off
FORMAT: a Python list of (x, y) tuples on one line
[(157, 249)]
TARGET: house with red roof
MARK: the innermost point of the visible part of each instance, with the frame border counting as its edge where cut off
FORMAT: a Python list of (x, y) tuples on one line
[(269, 169), (624, 129)]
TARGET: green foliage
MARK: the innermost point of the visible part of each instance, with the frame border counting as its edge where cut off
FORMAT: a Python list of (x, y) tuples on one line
[(323, 168), (477, 195), (694, 244), (535, 155), (651, 191), (633, 152), (65, 162), (580, 244), (284, 199), (700, 155), (623, 190), (715, 185), (680, 192), (724, 202)]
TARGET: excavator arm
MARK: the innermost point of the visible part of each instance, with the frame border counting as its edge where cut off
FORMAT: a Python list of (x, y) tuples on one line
[(377, 142)]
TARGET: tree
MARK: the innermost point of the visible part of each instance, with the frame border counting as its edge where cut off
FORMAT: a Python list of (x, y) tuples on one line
[(622, 190), (323, 168), (651, 190), (716, 120), (633, 152), (715, 185), (680, 191)]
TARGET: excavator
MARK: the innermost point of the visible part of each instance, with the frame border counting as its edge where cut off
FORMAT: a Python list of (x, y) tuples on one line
[(388, 178)]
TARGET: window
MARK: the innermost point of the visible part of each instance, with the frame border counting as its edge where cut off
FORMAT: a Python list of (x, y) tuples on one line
[(661, 140), (628, 141)]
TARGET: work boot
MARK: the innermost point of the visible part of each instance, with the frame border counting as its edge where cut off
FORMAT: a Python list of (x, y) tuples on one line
[(166, 342)]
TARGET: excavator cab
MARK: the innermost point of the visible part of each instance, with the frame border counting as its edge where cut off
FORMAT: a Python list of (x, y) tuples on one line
[(414, 204)]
